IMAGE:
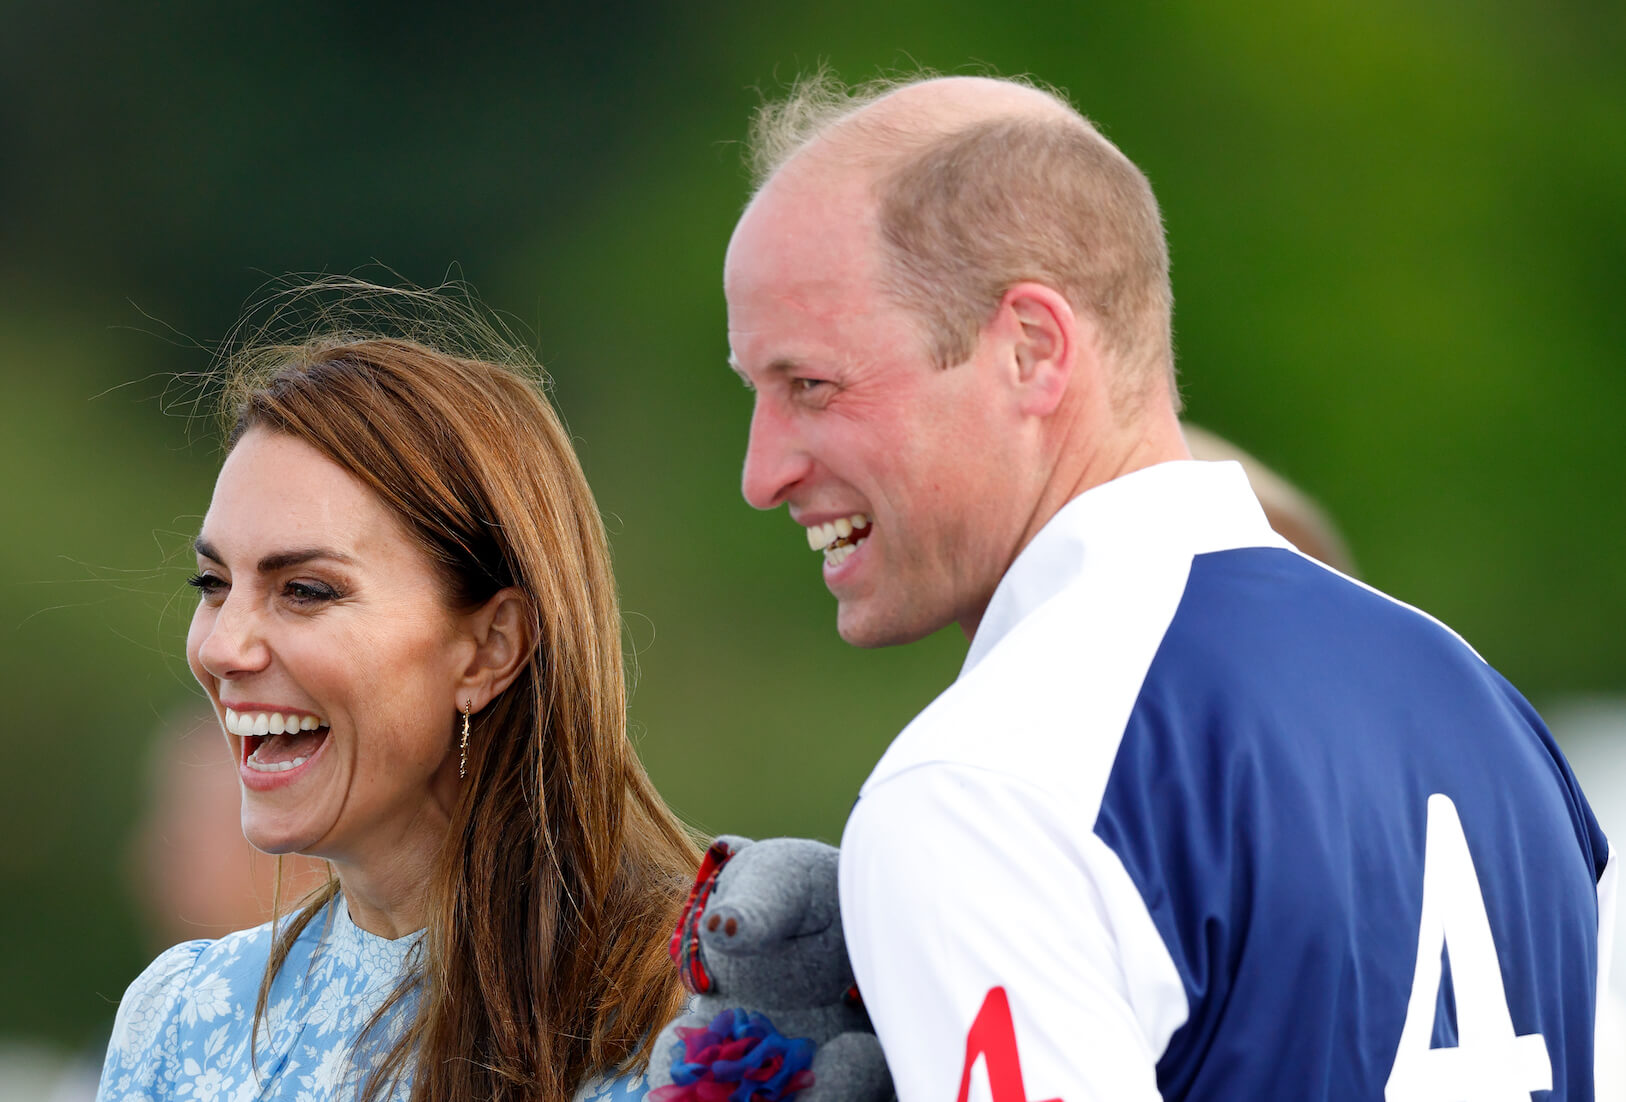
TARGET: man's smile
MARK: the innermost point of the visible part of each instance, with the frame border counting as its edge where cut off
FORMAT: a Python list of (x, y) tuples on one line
[(838, 538)]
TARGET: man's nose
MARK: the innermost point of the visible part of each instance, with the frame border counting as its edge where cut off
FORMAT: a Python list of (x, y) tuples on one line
[(236, 643), (775, 459)]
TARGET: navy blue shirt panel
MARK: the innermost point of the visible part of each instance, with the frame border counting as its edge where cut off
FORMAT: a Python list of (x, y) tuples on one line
[(1270, 801)]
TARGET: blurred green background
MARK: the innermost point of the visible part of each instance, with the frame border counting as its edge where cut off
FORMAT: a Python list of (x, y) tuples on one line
[(1399, 243)]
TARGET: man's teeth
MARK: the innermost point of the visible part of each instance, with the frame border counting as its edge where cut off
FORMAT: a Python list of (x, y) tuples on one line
[(835, 556), (823, 537), (270, 723)]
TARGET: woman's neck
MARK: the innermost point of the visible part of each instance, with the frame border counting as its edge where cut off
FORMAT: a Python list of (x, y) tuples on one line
[(388, 896)]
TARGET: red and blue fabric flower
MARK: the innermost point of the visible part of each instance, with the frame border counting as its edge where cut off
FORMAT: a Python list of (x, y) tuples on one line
[(739, 1057)]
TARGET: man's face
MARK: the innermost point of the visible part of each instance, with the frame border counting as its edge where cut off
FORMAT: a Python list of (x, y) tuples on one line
[(895, 466)]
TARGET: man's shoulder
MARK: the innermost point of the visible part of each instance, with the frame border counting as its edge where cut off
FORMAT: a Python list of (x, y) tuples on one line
[(1264, 637), (1149, 646)]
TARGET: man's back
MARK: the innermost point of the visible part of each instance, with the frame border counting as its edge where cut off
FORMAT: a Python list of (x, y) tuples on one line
[(1241, 780)]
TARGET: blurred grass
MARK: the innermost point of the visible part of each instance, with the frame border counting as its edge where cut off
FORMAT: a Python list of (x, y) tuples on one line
[(90, 633)]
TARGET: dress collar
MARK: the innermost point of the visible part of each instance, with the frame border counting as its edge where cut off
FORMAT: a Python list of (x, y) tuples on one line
[(1181, 508), (346, 935)]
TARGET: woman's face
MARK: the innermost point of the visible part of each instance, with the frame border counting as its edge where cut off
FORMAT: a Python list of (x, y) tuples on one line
[(318, 616)]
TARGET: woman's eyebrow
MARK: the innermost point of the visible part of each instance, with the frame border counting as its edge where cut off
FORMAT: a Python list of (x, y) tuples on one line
[(281, 560), (277, 560)]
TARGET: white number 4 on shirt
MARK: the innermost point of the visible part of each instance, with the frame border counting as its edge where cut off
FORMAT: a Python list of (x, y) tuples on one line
[(1490, 1063)]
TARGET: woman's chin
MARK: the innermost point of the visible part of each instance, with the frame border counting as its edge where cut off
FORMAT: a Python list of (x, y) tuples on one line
[(280, 840)]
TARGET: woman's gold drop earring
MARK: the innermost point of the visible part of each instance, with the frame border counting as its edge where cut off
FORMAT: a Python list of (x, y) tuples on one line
[(463, 744)]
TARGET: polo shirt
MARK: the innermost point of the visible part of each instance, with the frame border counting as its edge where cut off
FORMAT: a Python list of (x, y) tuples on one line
[(1204, 819)]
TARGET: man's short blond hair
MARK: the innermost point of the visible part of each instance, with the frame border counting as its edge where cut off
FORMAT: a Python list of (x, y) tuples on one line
[(968, 211)]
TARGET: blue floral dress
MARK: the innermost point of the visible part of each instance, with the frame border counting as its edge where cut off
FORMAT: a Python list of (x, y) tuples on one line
[(183, 1028)]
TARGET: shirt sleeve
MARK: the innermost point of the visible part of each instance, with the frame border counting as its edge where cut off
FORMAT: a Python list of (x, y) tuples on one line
[(1000, 947), (1608, 1016), (140, 1054)]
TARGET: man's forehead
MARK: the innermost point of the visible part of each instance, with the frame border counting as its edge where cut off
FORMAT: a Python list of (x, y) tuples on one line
[(804, 230), (810, 192)]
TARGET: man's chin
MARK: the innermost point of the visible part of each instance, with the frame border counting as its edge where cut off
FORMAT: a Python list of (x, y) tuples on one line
[(860, 624)]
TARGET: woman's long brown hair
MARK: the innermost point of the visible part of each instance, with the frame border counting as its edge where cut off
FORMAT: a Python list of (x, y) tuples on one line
[(544, 959)]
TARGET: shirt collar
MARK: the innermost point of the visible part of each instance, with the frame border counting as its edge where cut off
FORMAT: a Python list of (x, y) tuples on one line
[(1181, 508)]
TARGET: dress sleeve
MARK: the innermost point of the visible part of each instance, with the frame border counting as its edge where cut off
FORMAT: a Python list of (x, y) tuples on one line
[(141, 1052), (1000, 948)]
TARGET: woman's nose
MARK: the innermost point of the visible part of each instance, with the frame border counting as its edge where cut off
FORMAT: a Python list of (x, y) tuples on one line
[(234, 642)]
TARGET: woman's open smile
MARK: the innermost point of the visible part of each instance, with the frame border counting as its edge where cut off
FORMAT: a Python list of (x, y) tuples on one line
[(272, 742)]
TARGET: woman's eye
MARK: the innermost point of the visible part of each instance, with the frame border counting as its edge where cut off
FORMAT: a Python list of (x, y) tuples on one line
[(207, 585), (309, 592)]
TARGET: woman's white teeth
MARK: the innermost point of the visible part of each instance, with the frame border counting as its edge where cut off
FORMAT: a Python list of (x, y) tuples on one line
[(835, 556), (270, 723), (258, 766), (821, 536)]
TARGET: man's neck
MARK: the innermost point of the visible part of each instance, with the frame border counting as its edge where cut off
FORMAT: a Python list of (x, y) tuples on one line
[(1090, 455)]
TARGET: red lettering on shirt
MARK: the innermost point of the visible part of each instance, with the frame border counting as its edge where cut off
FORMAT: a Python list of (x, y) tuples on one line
[(993, 1037)]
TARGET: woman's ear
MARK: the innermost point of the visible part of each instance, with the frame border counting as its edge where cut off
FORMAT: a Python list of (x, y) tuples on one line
[(500, 631)]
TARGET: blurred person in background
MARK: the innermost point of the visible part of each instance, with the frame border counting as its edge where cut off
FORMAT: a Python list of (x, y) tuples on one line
[(192, 872), (191, 869), (1200, 818), (1289, 510), (1593, 731), (409, 632)]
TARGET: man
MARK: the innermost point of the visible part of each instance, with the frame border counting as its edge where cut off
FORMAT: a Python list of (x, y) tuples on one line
[(1200, 818)]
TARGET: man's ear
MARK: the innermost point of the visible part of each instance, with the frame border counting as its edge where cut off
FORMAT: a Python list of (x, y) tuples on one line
[(1046, 339), (500, 631)]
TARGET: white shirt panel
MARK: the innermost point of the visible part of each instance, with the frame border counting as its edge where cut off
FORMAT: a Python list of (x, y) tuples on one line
[(1036, 904), (1000, 779)]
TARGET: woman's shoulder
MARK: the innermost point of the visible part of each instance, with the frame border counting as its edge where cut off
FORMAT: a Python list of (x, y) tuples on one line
[(613, 1087), (193, 974), (151, 997), (194, 962), (184, 986), (195, 987)]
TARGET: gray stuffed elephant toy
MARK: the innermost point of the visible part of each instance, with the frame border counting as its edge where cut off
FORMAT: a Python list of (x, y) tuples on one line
[(776, 1016)]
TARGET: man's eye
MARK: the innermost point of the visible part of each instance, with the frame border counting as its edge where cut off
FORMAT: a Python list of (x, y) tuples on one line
[(807, 386)]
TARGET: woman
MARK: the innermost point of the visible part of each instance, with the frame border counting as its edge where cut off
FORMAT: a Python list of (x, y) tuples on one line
[(408, 628)]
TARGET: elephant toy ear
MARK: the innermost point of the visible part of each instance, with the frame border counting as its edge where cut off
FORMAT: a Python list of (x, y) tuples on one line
[(685, 946)]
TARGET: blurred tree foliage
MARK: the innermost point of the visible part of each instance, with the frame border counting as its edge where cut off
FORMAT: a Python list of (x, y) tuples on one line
[(1398, 236)]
